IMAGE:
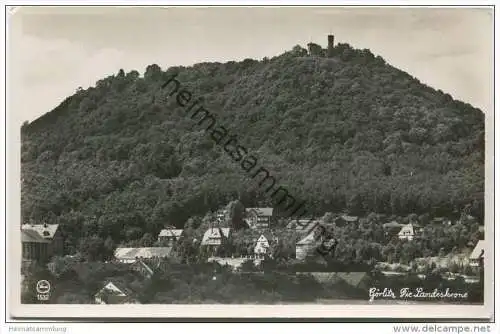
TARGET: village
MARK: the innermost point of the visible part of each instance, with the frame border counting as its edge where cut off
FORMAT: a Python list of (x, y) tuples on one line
[(264, 241)]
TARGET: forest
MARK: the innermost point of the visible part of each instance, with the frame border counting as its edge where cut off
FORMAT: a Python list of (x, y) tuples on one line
[(116, 162)]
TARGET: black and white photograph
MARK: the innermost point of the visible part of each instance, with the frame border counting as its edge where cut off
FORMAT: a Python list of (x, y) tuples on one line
[(266, 158)]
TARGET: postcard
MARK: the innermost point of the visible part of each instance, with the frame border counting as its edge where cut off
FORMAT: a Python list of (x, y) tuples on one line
[(250, 162)]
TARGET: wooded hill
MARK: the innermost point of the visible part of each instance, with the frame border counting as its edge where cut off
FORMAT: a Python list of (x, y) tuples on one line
[(344, 133)]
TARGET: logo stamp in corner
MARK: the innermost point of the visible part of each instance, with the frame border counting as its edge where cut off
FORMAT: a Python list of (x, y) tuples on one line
[(43, 290)]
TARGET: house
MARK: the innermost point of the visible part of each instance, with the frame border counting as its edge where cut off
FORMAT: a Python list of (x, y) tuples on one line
[(115, 293), (406, 232), (215, 236), (476, 258), (261, 247), (259, 218), (304, 246), (303, 226), (41, 241), (131, 255), (170, 236)]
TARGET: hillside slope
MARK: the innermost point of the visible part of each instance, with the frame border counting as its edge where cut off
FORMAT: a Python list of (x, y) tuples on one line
[(348, 132)]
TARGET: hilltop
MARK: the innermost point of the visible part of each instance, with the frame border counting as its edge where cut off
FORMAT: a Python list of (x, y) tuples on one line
[(348, 132)]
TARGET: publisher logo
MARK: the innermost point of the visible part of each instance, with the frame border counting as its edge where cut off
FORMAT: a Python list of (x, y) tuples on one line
[(43, 290)]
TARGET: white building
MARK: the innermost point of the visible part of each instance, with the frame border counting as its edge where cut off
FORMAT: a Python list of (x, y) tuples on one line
[(261, 247), (407, 232), (214, 235)]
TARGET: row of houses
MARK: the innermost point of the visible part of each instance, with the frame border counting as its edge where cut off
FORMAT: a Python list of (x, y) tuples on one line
[(42, 241)]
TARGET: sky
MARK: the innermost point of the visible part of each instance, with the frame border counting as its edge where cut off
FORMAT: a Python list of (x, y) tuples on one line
[(54, 50)]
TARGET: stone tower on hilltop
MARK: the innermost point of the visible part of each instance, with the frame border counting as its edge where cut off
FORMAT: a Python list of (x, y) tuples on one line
[(329, 52)]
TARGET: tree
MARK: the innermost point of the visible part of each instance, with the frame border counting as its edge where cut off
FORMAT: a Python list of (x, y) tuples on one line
[(236, 214), (109, 247), (92, 248), (248, 266), (299, 51), (147, 240), (153, 72), (315, 49), (61, 266)]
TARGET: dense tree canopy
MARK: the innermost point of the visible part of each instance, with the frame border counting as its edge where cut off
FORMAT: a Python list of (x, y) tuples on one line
[(119, 160)]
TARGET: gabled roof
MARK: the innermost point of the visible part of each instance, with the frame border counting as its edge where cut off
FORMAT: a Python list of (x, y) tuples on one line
[(261, 211), (302, 225), (309, 239), (262, 241), (118, 288), (476, 252), (32, 236), (262, 238), (114, 288), (171, 232), (406, 230), (46, 231), (145, 252), (215, 233), (352, 278)]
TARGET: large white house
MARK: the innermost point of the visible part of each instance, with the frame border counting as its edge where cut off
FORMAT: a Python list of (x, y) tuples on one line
[(214, 236)]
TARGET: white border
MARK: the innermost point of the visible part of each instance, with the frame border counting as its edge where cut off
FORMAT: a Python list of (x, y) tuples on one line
[(227, 311)]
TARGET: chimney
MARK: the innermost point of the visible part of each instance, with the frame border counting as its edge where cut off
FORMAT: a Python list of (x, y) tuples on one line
[(330, 45)]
